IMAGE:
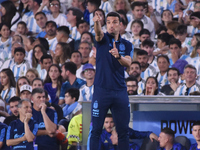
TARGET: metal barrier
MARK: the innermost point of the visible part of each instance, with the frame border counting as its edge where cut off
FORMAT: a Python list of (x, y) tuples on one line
[(146, 103)]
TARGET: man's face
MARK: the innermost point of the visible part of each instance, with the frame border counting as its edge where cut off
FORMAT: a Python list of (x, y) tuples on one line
[(41, 20), (197, 7), (160, 43), (46, 64), (148, 49), (144, 37), (75, 3), (76, 58), (19, 57), (68, 99), (196, 132), (190, 75), (70, 16), (138, 12), (83, 27), (59, 36), (181, 37), (163, 64), (91, 8), (132, 87), (25, 108), (63, 74), (14, 108), (113, 25), (31, 4), (25, 95), (174, 48), (21, 29), (142, 59), (51, 29), (173, 76), (89, 74), (108, 124), (135, 70), (84, 49), (163, 139), (38, 98)]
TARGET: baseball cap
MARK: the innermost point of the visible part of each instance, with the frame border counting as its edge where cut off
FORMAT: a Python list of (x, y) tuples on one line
[(26, 87), (87, 66)]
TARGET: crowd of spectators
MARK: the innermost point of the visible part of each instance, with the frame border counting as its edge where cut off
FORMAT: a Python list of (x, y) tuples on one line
[(48, 63)]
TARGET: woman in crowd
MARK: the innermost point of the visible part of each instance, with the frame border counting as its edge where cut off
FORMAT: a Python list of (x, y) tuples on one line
[(38, 52), (21, 81), (31, 74), (62, 53), (151, 87), (166, 17), (53, 83), (8, 83)]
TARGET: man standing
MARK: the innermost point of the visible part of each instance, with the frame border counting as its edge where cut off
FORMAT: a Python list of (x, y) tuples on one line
[(47, 121), (113, 54), (22, 132)]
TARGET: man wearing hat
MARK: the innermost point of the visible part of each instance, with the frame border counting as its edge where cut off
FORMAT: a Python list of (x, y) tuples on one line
[(190, 74), (87, 90), (25, 92), (29, 17), (51, 34)]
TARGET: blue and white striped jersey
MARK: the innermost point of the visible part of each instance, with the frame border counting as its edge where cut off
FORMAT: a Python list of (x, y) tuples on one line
[(155, 64), (196, 63), (106, 7), (74, 34), (86, 93), (7, 94), (6, 46), (190, 7), (141, 86), (91, 20), (3, 55), (159, 5), (93, 32), (184, 90), (52, 44), (43, 74), (162, 80), (150, 71), (20, 69), (7, 64), (187, 43), (61, 20)]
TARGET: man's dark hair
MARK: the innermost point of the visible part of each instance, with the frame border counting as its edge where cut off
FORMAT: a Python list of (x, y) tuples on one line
[(39, 80), (114, 14), (75, 52), (181, 29), (46, 56), (81, 22), (136, 62), (148, 42), (124, 21), (14, 99), (52, 22), (97, 3), (64, 29), (131, 78), (74, 93), (134, 4), (86, 42), (144, 31), (168, 131), (161, 28), (37, 90), (195, 14), (142, 52), (19, 49), (196, 123), (163, 56), (164, 37), (76, 12), (190, 66), (174, 69), (22, 23), (40, 13), (108, 116), (71, 67), (175, 41), (44, 43)]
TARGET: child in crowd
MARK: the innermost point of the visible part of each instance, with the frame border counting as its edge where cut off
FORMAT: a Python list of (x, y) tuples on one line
[(21, 28)]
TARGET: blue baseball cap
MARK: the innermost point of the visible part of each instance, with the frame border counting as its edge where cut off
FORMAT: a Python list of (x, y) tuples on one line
[(87, 66)]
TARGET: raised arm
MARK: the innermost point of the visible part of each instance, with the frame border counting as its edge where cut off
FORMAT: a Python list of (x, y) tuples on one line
[(49, 125), (97, 27)]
